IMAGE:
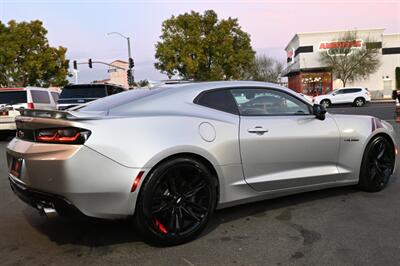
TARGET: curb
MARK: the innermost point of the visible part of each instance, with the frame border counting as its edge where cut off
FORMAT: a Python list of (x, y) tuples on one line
[(383, 101)]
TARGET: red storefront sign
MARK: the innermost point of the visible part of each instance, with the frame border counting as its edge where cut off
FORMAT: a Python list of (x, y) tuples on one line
[(340, 45)]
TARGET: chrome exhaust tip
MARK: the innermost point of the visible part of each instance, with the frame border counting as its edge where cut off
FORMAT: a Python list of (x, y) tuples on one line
[(47, 211)]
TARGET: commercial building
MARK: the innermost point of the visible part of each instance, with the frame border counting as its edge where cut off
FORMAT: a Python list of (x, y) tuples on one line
[(307, 75), (117, 74)]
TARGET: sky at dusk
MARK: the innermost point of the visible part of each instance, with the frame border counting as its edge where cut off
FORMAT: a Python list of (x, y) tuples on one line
[(81, 26)]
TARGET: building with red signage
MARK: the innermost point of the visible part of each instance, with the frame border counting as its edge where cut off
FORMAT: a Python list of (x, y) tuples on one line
[(306, 74)]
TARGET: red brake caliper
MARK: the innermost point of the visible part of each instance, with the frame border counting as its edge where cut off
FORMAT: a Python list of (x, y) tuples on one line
[(160, 226)]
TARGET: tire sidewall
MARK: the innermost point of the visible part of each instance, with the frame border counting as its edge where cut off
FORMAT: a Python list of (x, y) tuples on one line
[(359, 98), (142, 218), (364, 180), (328, 103)]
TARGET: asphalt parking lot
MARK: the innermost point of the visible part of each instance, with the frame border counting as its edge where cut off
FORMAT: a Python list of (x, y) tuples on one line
[(341, 226)]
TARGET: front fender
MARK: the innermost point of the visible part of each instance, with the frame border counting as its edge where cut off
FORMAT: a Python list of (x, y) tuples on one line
[(355, 134)]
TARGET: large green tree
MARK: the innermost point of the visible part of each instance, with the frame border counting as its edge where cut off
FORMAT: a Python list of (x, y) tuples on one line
[(201, 47), (27, 59), (349, 63)]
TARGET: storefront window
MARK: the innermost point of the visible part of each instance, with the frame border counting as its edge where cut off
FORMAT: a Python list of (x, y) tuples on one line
[(316, 83)]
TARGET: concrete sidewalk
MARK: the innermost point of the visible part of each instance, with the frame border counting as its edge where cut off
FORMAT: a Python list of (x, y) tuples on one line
[(383, 100)]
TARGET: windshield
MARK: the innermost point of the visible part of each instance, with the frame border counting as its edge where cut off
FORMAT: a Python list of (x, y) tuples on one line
[(12, 97), (119, 99), (83, 92)]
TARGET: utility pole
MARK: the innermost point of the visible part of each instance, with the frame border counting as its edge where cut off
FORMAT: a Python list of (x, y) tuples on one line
[(76, 75), (131, 63)]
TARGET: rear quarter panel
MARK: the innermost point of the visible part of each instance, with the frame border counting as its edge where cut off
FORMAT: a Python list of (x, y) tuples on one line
[(142, 141)]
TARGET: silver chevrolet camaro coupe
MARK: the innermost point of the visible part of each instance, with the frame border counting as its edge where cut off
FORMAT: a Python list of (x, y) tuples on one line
[(169, 156)]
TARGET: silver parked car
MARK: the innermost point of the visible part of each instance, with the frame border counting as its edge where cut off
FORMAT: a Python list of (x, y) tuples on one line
[(170, 156)]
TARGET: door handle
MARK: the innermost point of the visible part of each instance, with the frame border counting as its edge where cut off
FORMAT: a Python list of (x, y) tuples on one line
[(257, 130)]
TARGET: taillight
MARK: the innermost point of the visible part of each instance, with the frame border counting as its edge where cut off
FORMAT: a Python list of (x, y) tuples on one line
[(62, 135), (6, 110), (4, 113), (31, 106)]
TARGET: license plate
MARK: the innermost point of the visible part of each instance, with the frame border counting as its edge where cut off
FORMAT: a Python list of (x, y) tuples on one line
[(16, 166)]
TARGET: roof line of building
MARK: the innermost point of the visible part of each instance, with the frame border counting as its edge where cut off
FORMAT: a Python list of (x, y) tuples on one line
[(332, 31)]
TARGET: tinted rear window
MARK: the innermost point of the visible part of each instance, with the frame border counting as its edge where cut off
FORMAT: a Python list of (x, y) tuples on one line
[(83, 92), (12, 97), (221, 100), (40, 96), (55, 96), (113, 90), (119, 99), (352, 90)]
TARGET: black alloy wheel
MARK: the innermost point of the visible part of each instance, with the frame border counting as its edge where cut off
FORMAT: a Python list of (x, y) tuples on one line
[(378, 164), (176, 202)]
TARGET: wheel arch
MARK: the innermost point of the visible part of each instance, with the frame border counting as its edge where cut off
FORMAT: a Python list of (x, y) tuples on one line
[(360, 97), (387, 136), (326, 99), (185, 154), (382, 134), (364, 182)]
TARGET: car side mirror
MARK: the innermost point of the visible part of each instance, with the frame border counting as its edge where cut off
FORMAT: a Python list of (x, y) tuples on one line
[(319, 111)]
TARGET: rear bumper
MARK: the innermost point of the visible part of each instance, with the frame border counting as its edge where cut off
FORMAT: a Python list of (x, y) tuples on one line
[(7, 123), (39, 199), (96, 185)]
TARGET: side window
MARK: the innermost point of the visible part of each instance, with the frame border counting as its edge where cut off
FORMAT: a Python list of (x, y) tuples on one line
[(40, 96), (356, 90), (268, 102), (218, 99), (55, 96), (113, 90), (340, 92)]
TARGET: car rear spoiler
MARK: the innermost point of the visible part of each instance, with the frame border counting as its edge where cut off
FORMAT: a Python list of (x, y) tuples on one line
[(55, 114)]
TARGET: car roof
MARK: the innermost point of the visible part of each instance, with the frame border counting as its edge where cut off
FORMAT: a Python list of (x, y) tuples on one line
[(11, 89), (26, 88), (198, 87), (94, 85), (177, 99)]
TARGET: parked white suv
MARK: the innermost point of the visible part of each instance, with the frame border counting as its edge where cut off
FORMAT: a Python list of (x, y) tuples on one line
[(356, 95), (29, 97)]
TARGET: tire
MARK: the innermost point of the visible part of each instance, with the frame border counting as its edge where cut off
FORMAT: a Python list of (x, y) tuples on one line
[(4, 135), (326, 103), (176, 202), (377, 164), (359, 102)]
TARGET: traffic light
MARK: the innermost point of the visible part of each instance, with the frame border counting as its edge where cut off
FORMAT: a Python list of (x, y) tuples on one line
[(130, 77), (75, 65), (131, 63), (90, 63)]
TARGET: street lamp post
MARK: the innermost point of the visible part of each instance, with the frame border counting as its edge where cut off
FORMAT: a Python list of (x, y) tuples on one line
[(130, 59)]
